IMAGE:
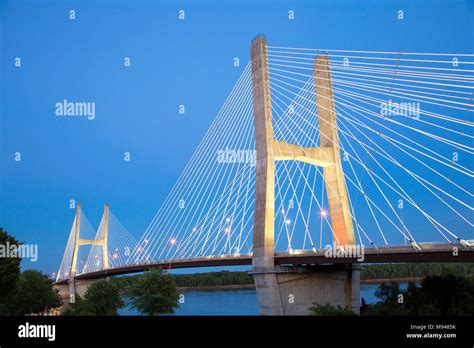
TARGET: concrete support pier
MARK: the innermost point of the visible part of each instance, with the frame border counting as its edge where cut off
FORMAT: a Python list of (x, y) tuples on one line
[(80, 287), (293, 290)]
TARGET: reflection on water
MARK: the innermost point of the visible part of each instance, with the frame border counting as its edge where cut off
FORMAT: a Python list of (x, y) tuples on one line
[(237, 302)]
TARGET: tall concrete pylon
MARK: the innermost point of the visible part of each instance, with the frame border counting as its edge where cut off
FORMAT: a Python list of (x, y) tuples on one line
[(264, 210), (266, 276), (336, 190), (77, 228)]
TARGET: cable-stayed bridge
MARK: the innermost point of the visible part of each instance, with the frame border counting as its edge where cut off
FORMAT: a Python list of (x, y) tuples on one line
[(317, 161)]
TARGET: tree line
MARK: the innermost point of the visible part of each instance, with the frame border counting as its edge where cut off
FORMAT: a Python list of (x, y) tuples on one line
[(436, 295), (415, 270), (386, 271)]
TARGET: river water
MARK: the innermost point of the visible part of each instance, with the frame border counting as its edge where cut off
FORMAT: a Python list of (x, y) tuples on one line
[(236, 302)]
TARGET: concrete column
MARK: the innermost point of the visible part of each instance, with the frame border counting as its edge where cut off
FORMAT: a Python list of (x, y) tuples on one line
[(263, 237), (72, 271), (80, 289), (105, 237), (336, 190)]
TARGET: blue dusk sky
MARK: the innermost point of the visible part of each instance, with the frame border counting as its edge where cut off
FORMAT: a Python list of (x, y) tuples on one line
[(173, 62)]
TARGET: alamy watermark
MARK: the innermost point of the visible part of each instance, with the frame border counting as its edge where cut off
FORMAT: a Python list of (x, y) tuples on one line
[(237, 156), (73, 109), (346, 251), (409, 109), (25, 251)]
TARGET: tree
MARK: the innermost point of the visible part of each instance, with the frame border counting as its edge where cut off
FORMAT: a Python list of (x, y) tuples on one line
[(34, 294), (438, 295), (388, 292), (392, 300), (103, 298), (9, 271), (79, 307), (329, 310), (154, 293), (446, 295)]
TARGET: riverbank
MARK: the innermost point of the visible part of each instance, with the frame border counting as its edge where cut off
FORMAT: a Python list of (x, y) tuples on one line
[(217, 287), (252, 286)]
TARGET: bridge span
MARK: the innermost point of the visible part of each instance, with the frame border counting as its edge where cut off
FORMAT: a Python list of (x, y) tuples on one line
[(429, 252)]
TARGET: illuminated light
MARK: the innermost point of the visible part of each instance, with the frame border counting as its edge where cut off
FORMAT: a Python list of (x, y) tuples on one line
[(194, 229), (237, 254), (227, 230), (283, 211), (314, 250), (415, 246), (173, 241), (115, 256), (323, 213), (290, 251), (139, 249), (227, 220), (146, 241), (288, 222)]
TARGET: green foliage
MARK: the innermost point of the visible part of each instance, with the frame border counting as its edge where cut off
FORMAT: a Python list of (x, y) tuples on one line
[(79, 307), (194, 280), (224, 278), (214, 279), (446, 295), (154, 293), (438, 295), (34, 294), (101, 298), (415, 270), (389, 304), (388, 292), (9, 273), (329, 310)]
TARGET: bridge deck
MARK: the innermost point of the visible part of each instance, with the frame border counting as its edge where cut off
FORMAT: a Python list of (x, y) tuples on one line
[(398, 254)]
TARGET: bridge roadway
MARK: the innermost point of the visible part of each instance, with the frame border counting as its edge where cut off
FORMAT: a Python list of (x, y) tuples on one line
[(430, 252)]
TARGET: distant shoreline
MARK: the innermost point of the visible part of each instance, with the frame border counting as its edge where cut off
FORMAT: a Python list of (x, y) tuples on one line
[(390, 280), (252, 286)]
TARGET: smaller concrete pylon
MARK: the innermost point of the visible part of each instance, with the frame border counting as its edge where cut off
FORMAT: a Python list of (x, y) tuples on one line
[(72, 271), (78, 242), (105, 226)]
